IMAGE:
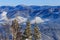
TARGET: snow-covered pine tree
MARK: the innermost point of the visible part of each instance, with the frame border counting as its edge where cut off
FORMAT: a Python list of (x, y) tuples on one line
[(28, 32), (15, 29), (37, 34)]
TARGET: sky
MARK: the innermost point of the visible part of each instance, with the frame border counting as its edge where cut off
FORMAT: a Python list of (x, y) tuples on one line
[(29, 2)]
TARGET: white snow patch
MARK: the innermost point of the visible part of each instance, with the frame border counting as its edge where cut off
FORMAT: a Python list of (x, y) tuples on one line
[(37, 20), (3, 16), (21, 19), (27, 39)]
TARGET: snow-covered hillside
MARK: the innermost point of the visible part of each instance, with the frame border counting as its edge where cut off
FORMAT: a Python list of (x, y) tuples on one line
[(47, 18)]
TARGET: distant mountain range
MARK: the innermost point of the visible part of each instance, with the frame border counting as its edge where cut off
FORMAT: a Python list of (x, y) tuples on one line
[(42, 11)]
